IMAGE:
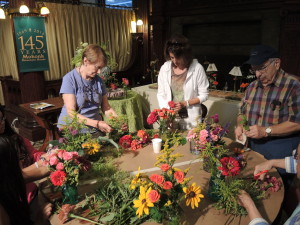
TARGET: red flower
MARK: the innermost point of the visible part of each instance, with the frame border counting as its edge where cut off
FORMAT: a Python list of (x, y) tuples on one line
[(167, 185), (152, 118), (125, 141), (171, 104), (125, 81), (214, 75), (215, 83), (230, 166), (154, 196), (158, 179), (143, 135), (113, 86), (135, 145), (58, 177), (165, 167), (155, 136), (179, 176)]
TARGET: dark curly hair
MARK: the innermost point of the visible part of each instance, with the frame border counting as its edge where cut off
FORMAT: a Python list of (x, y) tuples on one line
[(180, 46)]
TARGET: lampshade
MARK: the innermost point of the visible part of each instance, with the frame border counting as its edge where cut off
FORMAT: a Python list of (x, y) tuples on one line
[(24, 9), (133, 26), (44, 10), (2, 14), (236, 71), (139, 22), (211, 68)]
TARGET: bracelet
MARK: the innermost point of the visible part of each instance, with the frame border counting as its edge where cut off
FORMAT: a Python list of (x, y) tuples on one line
[(36, 165), (187, 103)]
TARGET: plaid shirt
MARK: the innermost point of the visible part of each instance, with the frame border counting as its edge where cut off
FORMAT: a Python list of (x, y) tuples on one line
[(273, 104)]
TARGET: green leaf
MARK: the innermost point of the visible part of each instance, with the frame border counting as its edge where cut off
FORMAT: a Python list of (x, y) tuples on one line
[(108, 140), (108, 218)]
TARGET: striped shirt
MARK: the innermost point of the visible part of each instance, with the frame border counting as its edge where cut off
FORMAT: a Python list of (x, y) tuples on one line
[(273, 104)]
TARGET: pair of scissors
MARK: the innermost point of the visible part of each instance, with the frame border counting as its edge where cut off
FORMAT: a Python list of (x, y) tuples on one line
[(256, 176)]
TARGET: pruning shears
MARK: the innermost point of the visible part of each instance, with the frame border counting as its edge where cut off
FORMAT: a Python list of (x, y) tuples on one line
[(256, 176)]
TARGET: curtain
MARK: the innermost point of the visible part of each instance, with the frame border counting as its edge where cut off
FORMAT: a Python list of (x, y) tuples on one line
[(68, 25)]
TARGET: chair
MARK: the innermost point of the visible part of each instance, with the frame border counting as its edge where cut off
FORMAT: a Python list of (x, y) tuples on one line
[(204, 112)]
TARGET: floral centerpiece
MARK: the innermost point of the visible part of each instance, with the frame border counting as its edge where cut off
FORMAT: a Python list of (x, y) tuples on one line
[(164, 117), (210, 131), (160, 194)]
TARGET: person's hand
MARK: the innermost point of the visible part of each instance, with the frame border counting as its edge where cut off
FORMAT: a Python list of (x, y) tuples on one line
[(245, 200), (177, 106), (124, 127), (239, 133), (104, 127), (267, 165), (47, 210), (256, 132)]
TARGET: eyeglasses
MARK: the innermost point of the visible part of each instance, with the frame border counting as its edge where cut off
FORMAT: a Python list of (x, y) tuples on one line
[(261, 68)]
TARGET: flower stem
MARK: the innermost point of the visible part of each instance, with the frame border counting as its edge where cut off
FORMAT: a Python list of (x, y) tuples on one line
[(71, 215)]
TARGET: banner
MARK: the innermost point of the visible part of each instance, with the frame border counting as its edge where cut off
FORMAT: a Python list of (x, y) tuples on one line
[(31, 45)]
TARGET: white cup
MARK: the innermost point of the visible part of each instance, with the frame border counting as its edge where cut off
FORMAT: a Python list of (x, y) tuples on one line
[(156, 142)]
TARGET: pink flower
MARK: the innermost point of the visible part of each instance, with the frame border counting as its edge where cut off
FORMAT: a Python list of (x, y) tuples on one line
[(60, 166), (152, 118), (60, 153), (165, 167), (171, 104), (204, 133), (179, 176), (53, 160), (67, 156), (158, 179), (214, 137), (125, 81), (167, 185), (154, 196)]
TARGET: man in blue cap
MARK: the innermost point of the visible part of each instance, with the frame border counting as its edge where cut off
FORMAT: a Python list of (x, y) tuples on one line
[(272, 108)]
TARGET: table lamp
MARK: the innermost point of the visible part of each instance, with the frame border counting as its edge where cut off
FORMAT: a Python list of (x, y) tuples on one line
[(236, 71), (211, 68)]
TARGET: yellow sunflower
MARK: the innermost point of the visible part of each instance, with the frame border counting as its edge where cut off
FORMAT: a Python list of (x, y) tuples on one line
[(91, 147), (143, 203), (193, 195)]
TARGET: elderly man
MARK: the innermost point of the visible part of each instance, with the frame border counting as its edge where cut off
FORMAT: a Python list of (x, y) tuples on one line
[(271, 106)]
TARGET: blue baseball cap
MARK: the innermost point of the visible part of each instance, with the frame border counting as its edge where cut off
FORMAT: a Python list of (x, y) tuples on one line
[(260, 54)]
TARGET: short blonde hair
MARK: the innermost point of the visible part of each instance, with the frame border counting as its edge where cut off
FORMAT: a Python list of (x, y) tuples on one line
[(94, 53)]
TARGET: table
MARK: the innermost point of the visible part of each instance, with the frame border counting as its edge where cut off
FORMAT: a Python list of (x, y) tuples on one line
[(226, 108), (46, 118), (206, 214)]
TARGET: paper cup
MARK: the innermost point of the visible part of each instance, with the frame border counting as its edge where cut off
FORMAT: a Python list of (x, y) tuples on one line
[(156, 143)]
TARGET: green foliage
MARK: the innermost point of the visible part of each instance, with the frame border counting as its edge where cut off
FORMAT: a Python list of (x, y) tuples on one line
[(113, 204), (173, 139), (72, 137), (244, 122), (228, 191), (77, 59)]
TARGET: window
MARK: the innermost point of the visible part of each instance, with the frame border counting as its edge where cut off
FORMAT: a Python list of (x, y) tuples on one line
[(125, 3)]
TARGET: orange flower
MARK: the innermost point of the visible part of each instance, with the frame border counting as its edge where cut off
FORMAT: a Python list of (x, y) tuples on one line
[(157, 178), (167, 185), (165, 167), (154, 196), (179, 176)]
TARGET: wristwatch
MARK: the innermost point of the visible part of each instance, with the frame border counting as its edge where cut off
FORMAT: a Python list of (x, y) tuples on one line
[(268, 131)]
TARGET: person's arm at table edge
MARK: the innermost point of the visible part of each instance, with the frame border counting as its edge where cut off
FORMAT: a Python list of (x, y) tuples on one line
[(285, 128), (32, 173)]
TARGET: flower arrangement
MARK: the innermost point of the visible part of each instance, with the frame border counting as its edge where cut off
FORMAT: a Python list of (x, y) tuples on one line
[(164, 117), (210, 131), (138, 140), (160, 194), (212, 79)]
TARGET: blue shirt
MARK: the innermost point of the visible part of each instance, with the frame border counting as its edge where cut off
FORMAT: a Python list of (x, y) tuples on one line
[(88, 95)]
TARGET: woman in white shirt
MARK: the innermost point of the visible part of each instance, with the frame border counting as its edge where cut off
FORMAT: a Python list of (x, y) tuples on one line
[(182, 79)]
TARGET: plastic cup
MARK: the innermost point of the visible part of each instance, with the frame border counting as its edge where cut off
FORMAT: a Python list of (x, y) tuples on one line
[(156, 143)]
